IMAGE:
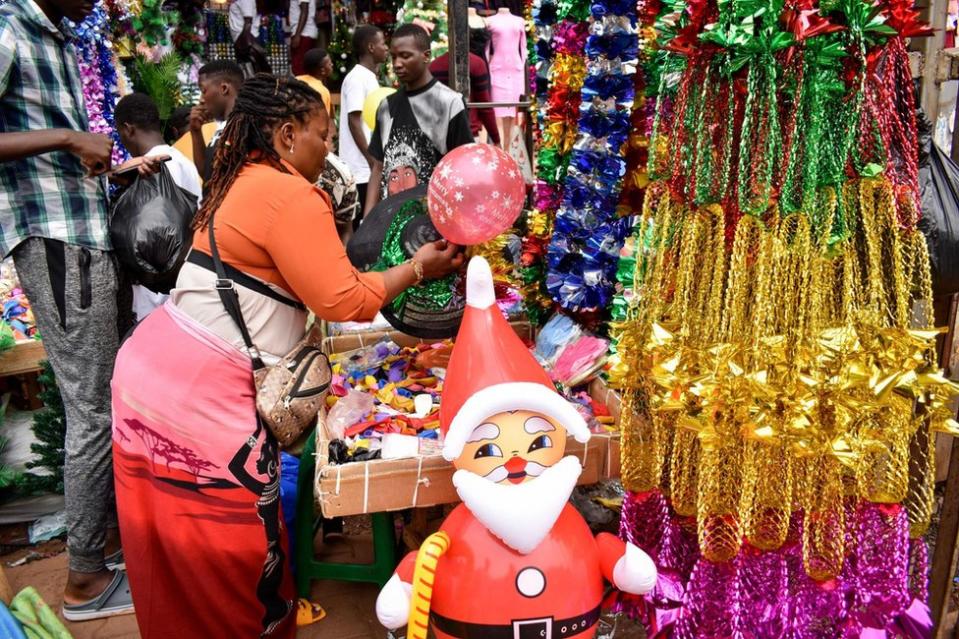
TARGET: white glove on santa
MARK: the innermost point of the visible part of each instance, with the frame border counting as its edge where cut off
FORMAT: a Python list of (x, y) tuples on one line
[(393, 604), (634, 573)]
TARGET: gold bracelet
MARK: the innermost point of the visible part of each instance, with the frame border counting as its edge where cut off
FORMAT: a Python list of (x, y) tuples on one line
[(417, 270)]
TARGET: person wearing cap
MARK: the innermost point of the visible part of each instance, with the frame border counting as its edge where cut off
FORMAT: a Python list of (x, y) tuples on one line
[(508, 570)]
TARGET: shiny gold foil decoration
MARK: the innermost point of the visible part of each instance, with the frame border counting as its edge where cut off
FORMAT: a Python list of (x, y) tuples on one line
[(767, 494), (784, 367)]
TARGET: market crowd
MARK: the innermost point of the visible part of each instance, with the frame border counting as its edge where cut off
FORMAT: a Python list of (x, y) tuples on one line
[(149, 374)]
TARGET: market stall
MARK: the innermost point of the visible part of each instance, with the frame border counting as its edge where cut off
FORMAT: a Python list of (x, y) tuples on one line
[(418, 476), (719, 264), (18, 326)]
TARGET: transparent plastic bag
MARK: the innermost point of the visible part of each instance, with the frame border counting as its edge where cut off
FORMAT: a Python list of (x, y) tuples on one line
[(347, 411)]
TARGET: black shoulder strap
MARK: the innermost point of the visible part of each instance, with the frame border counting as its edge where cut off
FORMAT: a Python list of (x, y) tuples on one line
[(231, 300), (201, 259)]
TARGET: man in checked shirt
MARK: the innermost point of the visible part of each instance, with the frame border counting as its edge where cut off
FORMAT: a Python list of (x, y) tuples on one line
[(53, 220)]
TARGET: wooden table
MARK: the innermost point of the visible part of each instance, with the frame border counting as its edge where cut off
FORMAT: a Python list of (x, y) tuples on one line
[(25, 357)]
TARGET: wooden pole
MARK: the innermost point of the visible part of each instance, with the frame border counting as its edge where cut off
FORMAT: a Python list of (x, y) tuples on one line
[(458, 27), (935, 12), (947, 538)]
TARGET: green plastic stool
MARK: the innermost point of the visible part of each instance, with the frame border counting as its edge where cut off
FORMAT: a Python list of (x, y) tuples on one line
[(307, 523)]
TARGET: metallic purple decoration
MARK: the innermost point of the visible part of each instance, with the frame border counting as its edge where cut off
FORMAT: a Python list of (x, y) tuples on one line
[(547, 197), (645, 517), (881, 564), (763, 590), (711, 597), (570, 37), (918, 569), (879, 593), (678, 547)]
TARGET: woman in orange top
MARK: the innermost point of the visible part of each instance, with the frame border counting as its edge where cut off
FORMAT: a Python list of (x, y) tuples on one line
[(196, 479)]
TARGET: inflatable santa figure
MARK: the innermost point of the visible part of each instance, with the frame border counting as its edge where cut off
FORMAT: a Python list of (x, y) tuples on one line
[(515, 561)]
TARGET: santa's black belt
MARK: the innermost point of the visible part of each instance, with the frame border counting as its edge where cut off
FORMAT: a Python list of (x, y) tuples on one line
[(542, 628)]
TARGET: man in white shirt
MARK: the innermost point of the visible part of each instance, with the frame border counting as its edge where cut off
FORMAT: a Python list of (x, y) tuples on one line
[(245, 29), (371, 51), (138, 124), (303, 32)]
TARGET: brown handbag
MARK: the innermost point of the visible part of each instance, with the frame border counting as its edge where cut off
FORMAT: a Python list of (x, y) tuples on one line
[(290, 393)]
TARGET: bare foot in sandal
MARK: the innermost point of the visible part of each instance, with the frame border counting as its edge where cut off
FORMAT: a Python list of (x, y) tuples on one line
[(82, 602)]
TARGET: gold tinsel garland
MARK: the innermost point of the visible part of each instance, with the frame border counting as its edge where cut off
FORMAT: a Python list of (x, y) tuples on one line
[(784, 371)]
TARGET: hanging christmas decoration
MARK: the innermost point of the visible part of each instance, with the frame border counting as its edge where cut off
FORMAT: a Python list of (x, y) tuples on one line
[(561, 31), (100, 75), (152, 23), (589, 230), (189, 34), (782, 367), (635, 182)]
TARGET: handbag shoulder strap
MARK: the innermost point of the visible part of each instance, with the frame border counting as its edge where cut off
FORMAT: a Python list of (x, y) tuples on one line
[(231, 300), (201, 259)]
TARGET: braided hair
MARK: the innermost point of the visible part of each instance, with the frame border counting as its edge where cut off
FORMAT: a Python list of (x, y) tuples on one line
[(264, 103)]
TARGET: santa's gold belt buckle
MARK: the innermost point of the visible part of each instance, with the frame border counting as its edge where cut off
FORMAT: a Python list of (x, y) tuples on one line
[(546, 631)]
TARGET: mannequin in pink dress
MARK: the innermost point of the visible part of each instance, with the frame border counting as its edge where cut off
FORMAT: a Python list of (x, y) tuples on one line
[(507, 65)]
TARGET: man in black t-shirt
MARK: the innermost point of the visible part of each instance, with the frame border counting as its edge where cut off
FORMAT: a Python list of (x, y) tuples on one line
[(417, 125)]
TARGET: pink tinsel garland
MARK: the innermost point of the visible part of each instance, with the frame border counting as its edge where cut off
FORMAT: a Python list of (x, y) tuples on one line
[(767, 595)]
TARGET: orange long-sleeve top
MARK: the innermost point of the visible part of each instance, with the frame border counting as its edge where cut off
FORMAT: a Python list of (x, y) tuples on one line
[(279, 228)]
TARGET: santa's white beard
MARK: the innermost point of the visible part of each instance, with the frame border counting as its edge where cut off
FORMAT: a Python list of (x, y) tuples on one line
[(520, 515)]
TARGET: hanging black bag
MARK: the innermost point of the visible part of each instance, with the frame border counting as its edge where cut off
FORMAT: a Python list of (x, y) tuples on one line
[(939, 220), (150, 229)]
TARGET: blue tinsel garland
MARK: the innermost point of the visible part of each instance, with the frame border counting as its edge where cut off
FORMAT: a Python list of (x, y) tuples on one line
[(584, 250)]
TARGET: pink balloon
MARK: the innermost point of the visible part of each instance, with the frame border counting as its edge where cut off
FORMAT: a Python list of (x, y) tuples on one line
[(476, 193)]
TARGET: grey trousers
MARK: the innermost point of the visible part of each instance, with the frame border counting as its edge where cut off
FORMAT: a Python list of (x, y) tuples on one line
[(73, 292)]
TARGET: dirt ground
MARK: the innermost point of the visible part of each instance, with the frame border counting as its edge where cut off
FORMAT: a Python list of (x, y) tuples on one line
[(349, 606)]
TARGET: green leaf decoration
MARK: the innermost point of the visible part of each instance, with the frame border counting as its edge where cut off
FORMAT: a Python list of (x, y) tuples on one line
[(159, 81)]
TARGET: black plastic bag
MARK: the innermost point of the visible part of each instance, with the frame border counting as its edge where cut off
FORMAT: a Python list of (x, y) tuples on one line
[(939, 220), (150, 230)]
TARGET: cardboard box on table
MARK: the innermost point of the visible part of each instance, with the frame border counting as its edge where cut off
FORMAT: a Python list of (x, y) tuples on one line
[(397, 484)]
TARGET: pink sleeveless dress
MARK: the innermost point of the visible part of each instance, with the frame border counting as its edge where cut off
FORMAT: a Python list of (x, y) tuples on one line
[(507, 60)]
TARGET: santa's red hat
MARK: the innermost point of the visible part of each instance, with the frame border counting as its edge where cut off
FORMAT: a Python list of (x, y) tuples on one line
[(491, 371)]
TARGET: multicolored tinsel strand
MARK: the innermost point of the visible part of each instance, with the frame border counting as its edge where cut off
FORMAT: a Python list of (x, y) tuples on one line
[(99, 75), (561, 31), (635, 183), (782, 373), (589, 231)]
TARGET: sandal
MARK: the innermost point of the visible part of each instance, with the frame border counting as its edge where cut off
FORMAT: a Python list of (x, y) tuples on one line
[(115, 600), (308, 612), (115, 561)]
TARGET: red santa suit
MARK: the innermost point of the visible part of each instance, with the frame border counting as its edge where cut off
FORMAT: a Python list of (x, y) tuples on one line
[(521, 562), (485, 590)]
